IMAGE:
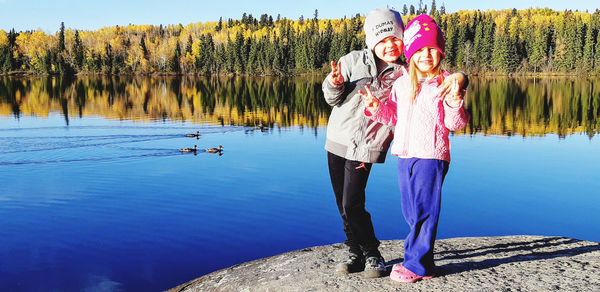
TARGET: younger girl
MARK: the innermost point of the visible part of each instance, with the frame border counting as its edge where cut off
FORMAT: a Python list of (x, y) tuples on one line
[(423, 120)]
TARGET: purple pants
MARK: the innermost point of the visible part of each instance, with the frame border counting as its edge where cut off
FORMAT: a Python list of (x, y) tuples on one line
[(420, 182)]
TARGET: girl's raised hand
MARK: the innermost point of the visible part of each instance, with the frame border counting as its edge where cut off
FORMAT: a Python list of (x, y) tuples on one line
[(453, 97), (335, 78), (448, 81), (371, 102)]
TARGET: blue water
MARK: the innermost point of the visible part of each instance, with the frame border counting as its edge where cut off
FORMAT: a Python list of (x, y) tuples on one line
[(114, 206)]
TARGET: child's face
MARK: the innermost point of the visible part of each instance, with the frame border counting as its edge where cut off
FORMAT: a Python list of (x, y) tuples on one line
[(426, 59), (389, 49)]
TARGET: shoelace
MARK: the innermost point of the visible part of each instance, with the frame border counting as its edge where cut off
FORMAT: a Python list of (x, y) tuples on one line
[(362, 165)]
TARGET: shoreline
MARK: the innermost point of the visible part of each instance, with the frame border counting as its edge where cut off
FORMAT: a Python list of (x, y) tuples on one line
[(316, 73), (530, 263)]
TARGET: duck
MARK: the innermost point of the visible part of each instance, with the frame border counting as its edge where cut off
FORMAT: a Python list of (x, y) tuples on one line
[(215, 150), (261, 127), (197, 135), (189, 149)]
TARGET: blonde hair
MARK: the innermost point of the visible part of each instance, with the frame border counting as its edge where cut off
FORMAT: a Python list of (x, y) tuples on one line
[(414, 78)]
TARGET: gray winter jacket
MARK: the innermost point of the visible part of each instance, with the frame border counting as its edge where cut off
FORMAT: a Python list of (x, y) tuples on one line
[(351, 134)]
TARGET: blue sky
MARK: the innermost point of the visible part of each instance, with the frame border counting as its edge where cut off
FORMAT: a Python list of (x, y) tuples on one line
[(95, 14)]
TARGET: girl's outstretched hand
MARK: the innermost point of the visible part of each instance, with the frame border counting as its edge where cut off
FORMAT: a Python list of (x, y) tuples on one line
[(448, 81), (371, 102), (453, 97), (336, 78)]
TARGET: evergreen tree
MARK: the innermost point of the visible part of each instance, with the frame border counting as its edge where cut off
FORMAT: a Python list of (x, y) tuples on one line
[(174, 62), (240, 53), (108, 61), (143, 45), (588, 48), (220, 24), (6, 62), (404, 10), (189, 44), (597, 53), (433, 11), (484, 42), (567, 52), (61, 37), (504, 53), (78, 51), (412, 10)]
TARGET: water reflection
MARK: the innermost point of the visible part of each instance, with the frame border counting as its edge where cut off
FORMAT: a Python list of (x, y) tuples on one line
[(232, 101), (499, 106), (532, 107)]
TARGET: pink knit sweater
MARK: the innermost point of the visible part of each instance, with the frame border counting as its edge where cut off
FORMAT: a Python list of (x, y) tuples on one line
[(421, 127)]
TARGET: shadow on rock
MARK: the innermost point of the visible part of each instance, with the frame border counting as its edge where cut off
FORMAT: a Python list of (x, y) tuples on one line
[(498, 254)]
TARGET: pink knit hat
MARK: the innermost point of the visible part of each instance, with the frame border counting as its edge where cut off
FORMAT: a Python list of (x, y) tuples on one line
[(422, 32)]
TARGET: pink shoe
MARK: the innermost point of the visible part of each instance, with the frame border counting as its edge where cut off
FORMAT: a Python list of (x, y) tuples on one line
[(401, 274)]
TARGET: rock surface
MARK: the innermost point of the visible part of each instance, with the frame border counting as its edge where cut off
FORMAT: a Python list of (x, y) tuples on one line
[(508, 263)]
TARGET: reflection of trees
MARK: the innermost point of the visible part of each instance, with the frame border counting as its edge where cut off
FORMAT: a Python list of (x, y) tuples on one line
[(236, 101), (500, 106), (527, 106)]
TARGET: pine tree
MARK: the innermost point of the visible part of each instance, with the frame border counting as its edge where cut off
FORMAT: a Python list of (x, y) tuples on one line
[(143, 45), (78, 51), (504, 53), (433, 12), (174, 62), (6, 61), (597, 54), (189, 44), (219, 26), (483, 42), (61, 37), (588, 48), (539, 46)]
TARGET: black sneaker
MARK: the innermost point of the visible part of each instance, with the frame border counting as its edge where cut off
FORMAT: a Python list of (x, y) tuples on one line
[(354, 263), (374, 267)]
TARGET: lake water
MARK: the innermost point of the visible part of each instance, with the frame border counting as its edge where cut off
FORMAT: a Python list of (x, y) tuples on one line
[(97, 197)]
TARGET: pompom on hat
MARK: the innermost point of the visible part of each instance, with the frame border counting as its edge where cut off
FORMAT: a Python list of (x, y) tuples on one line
[(422, 32), (382, 23)]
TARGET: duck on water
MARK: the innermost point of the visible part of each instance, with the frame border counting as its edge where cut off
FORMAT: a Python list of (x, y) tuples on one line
[(189, 149), (215, 150), (192, 135)]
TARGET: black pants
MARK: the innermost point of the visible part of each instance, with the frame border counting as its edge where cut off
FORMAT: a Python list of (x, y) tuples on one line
[(349, 180)]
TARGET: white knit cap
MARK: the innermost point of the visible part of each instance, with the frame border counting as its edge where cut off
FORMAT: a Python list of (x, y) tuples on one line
[(382, 23)]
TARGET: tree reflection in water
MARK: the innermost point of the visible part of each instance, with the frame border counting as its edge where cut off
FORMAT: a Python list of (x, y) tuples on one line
[(498, 106)]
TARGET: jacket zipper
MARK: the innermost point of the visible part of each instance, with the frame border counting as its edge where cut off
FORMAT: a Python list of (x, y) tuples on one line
[(408, 126)]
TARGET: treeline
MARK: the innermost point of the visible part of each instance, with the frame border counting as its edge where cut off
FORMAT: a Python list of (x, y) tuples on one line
[(505, 41)]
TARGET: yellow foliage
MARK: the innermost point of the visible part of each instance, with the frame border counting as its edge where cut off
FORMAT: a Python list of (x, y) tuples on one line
[(3, 38), (34, 46), (513, 27)]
